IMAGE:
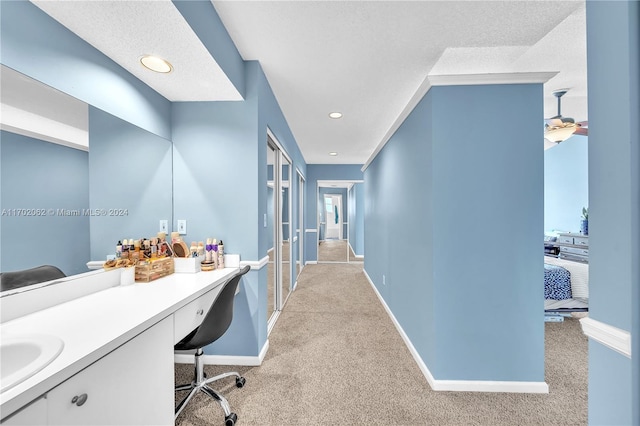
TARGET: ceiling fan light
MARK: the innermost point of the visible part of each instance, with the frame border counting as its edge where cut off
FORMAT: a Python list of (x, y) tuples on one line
[(559, 134)]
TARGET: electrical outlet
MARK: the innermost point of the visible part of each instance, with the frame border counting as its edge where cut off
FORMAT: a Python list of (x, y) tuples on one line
[(164, 226), (182, 227), (384, 280)]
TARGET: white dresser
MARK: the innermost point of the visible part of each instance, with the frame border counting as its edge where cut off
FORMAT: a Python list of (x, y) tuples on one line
[(574, 247)]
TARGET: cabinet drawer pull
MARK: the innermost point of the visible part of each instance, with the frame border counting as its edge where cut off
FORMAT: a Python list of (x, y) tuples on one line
[(200, 312), (79, 400)]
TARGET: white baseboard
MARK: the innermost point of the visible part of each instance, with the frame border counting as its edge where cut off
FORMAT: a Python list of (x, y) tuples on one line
[(311, 262), (187, 358), (458, 385)]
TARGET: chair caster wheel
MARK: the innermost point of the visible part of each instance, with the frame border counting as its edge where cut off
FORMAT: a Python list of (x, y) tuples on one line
[(240, 381), (231, 419)]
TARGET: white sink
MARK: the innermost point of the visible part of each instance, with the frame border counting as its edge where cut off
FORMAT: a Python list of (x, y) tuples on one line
[(23, 356)]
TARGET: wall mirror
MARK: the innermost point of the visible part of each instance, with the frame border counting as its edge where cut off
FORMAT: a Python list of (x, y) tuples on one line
[(340, 209), (74, 179)]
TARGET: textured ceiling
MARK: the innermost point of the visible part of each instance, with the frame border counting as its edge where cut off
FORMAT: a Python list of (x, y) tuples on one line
[(124, 30), (367, 59)]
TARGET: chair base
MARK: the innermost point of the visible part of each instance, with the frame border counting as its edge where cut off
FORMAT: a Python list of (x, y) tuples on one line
[(201, 382)]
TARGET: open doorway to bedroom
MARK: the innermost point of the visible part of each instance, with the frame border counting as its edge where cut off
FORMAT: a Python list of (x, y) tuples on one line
[(340, 214), (566, 264)]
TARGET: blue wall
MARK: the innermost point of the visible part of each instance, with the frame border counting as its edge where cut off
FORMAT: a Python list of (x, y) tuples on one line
[(73, 66), (135, 189), (42, 175), (613, 38), (566, 184), (465, 186), (220, 188), (205, 22)]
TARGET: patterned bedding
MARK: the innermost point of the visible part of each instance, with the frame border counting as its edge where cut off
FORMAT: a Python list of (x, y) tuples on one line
[(559, 298), (557, 282)]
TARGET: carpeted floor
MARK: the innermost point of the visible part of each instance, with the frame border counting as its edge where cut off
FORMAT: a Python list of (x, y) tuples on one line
[(335, 357), (333, 251)]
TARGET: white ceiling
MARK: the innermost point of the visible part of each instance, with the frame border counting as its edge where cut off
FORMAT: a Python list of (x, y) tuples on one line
[(366, 59)]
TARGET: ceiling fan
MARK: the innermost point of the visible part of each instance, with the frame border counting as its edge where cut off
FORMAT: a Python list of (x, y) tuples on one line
[(558, 129)]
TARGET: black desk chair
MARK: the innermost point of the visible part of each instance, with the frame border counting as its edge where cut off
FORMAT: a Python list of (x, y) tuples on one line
[(39, 274), (214, 325)]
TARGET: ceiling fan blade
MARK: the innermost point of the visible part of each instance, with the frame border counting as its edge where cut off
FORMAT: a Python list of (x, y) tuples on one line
[(553, 122)]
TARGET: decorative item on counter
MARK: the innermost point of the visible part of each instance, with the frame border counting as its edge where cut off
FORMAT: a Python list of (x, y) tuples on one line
[(193, 249), (180, 249), (175, 237), (214, 255), (201, 249), (151, 269), (118, 263), (221, 255), (119, 250)]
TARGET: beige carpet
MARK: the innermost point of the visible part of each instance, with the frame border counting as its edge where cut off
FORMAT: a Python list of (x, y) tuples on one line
[(336, 358), (333, 251)]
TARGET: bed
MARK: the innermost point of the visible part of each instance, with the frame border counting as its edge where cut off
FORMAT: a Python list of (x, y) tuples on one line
[(566, 286)]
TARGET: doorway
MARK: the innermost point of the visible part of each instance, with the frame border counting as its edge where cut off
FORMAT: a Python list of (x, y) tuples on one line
[(338, 224), (333, 216)]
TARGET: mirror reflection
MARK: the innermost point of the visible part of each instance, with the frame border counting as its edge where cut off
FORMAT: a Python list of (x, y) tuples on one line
[(271, 209), (286, 228), (74, 179)]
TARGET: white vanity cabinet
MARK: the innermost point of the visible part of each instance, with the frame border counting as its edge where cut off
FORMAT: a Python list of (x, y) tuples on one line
[(133, 385), (33, 414), (116, 367)]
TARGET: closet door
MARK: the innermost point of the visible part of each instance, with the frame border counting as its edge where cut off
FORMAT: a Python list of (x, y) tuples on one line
[(273, 220)]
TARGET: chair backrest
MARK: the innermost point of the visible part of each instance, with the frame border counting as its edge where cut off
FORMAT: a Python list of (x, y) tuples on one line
[(39, 274), (218, 319)]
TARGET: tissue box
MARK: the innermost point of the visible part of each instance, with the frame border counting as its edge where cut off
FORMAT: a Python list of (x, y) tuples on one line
[(187, 264)]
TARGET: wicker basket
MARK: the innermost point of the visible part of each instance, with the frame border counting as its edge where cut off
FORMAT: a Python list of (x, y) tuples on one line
[(151, 269)]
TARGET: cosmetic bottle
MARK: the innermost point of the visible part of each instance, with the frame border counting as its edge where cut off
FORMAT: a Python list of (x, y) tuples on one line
[(209, 251), (125, 249), (193, 249), (201, 248), (214, 257), (221, 255), (154, 248), (119, 250)]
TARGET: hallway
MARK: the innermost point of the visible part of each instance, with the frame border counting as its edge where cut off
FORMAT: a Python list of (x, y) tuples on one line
[(336, 357)]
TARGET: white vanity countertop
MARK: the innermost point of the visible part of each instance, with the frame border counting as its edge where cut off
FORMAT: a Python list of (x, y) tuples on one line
[(94, 325)]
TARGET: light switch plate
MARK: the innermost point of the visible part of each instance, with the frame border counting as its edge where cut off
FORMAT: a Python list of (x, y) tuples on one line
[(164, 226), (182, 227)]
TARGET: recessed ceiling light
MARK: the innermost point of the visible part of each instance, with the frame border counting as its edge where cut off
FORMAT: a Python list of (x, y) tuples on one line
[(333, 153), (156, 64), (335, 114)]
